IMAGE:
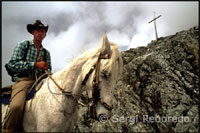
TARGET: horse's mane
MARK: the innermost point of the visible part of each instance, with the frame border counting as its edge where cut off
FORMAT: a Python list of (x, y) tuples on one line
[(79, 60), (85, 61), (89, 54)]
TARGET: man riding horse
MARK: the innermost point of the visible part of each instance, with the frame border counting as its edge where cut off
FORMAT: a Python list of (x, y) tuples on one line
[(29, 60)]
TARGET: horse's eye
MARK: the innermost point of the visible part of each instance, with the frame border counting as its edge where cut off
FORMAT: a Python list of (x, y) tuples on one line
[(105, 74)]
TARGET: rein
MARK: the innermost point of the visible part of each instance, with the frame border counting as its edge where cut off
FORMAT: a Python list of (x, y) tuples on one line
[(62, 90)]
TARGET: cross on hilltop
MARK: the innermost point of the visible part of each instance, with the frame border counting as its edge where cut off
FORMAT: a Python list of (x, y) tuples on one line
[(154, 19)]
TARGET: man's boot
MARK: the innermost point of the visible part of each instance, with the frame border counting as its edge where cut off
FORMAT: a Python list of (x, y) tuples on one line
[(7, 130)]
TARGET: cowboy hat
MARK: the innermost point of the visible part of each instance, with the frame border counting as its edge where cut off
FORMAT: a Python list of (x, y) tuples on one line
[(36, 25)]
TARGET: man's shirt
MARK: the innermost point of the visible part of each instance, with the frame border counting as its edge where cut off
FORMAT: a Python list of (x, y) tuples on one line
[(23, 60)]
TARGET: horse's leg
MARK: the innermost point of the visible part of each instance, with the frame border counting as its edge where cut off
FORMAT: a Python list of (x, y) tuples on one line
[(48, 115), (55, 122), (35, 117)]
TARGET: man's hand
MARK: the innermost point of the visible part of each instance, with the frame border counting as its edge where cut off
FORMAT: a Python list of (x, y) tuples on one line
[(41, 65)]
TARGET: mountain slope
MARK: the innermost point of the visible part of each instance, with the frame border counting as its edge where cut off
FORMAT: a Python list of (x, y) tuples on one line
[(159, 88)]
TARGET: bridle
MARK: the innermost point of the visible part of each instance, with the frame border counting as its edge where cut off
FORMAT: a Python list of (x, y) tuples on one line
[(95, 87)]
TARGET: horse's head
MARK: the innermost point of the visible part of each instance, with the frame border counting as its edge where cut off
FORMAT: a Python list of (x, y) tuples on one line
[(101, 74)]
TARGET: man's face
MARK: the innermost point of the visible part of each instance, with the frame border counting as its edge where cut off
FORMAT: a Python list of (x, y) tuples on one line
[(39, 34)]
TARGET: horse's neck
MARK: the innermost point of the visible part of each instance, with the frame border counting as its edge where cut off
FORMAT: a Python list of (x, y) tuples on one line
[(70, 78)]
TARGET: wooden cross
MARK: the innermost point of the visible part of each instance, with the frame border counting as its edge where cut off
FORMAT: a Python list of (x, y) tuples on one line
[(155, 24)]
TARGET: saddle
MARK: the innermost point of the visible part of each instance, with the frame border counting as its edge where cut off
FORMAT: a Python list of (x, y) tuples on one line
[(7, 91)]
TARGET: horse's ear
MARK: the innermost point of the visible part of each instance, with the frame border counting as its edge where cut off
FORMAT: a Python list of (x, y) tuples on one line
[(105, 48)]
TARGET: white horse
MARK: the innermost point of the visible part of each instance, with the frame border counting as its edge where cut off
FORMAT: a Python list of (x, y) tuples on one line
[(55, 110)]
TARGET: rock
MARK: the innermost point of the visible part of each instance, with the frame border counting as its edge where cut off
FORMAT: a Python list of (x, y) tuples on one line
[(159, 88)]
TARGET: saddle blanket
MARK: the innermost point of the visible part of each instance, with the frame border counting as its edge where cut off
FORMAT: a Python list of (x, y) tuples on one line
[(6, 92), (5, 98)]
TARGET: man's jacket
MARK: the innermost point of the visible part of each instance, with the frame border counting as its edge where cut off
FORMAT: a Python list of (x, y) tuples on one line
[(23, 60)]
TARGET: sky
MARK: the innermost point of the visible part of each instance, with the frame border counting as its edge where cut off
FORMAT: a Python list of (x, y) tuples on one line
[(75, 27)]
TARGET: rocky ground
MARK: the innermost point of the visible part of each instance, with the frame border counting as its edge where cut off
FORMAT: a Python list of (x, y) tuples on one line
[(158, 91)]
